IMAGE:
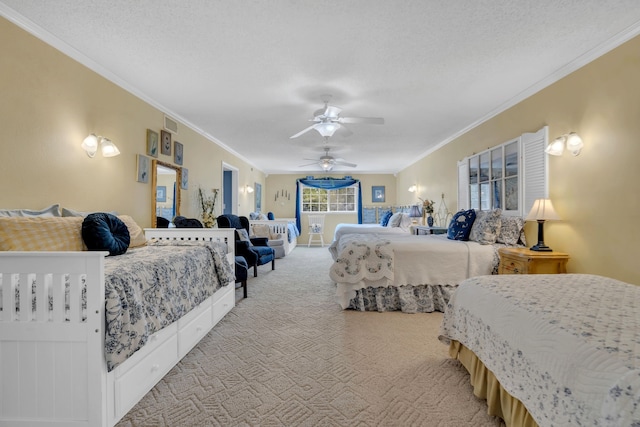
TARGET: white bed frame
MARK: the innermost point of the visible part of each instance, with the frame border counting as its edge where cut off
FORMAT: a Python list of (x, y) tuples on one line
[(53, 372), (280, 226)]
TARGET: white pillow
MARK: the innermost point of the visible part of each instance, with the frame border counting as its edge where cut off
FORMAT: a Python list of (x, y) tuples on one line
[(405, 222), (395, 220), (51, 211)]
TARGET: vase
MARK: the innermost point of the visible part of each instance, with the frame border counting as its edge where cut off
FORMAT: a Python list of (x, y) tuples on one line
[(430, 221)]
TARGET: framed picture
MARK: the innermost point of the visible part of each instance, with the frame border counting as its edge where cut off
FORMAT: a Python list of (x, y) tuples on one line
[(258, 194), (377, 194), (161, 193), (165, 139), (152, 143), (184, 180), (177, 153), (143, 168)]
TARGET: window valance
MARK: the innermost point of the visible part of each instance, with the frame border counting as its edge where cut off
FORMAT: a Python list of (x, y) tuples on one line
[(327, 183)]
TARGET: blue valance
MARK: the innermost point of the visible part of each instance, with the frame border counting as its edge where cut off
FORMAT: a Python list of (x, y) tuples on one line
[(327, 183)]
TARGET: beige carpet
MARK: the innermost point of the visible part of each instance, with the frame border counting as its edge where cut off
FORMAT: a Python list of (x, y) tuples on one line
[(290, 356)]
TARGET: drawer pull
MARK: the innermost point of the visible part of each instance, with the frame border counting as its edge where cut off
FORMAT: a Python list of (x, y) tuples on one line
[(199, 329), (155, 368)]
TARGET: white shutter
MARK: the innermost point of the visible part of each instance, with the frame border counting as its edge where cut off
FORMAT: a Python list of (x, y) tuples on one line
[(534, 168), (463, 184)]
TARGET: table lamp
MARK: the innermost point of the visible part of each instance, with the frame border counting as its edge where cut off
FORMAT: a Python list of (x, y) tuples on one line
[(542, 211), (415, 212)]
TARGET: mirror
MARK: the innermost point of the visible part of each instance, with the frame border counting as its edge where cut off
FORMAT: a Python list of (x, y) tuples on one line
[(165, 193)]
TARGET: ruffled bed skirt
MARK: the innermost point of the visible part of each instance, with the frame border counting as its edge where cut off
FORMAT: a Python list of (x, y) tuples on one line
[(486, 386), (408, 298)]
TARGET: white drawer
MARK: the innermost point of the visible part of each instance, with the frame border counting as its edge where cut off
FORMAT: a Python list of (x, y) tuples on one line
[(224, 303), (191, 333), (139, 379)]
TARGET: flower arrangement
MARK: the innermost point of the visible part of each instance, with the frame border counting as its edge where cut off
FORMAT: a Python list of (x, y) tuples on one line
[(427, 205), (207, 206)]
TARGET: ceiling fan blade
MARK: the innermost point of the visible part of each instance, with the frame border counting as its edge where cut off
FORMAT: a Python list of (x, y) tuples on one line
[(367, 120), (343, 163), (308, 164), (302, 131)]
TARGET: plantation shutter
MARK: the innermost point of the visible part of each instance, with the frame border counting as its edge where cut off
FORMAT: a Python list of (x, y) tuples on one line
[(463, 184), (535, 174)]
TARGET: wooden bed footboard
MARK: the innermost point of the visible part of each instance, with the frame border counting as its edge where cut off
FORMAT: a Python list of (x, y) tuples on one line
[(52, 366)]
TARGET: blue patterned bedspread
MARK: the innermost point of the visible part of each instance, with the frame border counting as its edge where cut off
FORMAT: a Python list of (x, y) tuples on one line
[(149, 288), (567, 346)]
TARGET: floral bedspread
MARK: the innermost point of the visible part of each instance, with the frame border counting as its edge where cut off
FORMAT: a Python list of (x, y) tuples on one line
[(567, 346), (148, 288)]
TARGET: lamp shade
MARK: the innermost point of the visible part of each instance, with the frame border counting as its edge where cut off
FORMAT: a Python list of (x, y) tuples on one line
[(556, 148), (108, 148), (574, 143), (542, 210), (415, 212)]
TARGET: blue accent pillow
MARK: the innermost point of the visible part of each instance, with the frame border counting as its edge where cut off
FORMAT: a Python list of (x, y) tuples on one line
[(105, 232), (460, 225), (270, 216), (385, 218)]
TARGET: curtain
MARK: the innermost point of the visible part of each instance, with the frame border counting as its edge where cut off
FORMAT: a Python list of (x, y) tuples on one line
[(327, 183)]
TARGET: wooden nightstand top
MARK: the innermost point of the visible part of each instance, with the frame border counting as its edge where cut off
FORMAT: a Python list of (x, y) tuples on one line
[(528, 253)]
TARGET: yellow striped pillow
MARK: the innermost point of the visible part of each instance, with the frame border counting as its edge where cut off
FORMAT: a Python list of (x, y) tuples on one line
[(41, 234)]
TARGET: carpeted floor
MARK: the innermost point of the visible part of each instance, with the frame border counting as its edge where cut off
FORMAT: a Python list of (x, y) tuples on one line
[(290, 356)]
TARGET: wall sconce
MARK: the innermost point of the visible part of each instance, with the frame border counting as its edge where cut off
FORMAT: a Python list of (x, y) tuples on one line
[(91, 143), (413, 189), (248, 189), (541, 211), (572, 142)]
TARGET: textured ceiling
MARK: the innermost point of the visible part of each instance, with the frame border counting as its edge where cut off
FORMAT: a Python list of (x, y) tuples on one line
[(250, 73)]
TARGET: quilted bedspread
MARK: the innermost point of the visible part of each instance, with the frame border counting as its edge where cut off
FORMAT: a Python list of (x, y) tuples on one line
[(148, 288), (567, 346)]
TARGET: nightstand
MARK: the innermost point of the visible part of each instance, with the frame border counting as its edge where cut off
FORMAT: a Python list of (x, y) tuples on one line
[(526, 261), (425, 229)]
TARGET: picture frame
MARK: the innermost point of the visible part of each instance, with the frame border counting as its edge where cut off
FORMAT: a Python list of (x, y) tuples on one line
[(178, 151), (377, 194), (258, 196), (184, 179), (165, 140), (161, 193), (152, 143), (142, 169)]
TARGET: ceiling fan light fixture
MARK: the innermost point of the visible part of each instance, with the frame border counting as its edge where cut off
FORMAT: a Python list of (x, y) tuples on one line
[(327, 129)]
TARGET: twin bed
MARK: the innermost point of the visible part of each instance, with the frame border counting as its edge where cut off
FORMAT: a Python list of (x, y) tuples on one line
[(286, 227), (379, 268), (83, 336), (549, 350)]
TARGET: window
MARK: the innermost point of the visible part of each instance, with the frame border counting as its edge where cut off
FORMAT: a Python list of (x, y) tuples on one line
[(509, 176), (321, 200)]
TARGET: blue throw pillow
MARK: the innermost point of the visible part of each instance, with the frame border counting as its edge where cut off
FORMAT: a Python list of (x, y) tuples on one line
[(105, 232), (460, 225), (385, 218)]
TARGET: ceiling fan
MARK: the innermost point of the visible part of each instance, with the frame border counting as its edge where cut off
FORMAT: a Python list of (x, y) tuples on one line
[(328, 120), (327, 162)]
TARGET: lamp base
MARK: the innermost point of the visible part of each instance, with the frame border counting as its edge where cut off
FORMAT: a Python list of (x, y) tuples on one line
[(541, 247)]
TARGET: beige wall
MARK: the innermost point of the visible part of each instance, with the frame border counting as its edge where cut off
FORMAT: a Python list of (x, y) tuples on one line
[(286, 207), (50, 103), (596, 193)]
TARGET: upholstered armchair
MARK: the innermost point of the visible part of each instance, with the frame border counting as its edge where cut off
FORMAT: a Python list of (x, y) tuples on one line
[(255, 250)]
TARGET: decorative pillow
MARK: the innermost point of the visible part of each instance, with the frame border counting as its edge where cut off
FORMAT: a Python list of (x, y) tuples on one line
[(41, 234), (511, 231), (135, 232), (262, 217), (271, 216), (384, 221), (395, 220), (460, 225), (486, 227), (51, 211), (243, 235), (105, 232), (261, 230), (254, 215), (405, 221), (71, 212)]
